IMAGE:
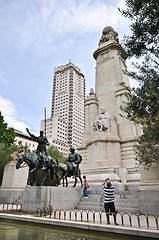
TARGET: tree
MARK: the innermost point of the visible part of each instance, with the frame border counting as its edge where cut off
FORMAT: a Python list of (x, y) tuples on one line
[(55, 154), (5, 157), (144, 15), (143, 101), (7, 135)]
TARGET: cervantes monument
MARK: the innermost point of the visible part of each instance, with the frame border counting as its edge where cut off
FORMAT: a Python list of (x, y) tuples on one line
[(107, 147)]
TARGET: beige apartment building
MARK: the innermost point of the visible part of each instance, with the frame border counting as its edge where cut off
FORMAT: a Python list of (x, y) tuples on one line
[(65, 127), (26, 140)]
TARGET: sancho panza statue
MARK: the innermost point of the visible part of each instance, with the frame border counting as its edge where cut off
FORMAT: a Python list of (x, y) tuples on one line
[(101, 123), (41, 148), (73, 161)]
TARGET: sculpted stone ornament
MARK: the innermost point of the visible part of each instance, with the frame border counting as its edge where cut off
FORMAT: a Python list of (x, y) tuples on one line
[(20, 149), (91, 92), (101, 122), (108, 34)]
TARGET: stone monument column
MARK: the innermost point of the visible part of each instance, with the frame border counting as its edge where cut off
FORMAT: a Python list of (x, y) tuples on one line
[(110, 67), (91, 105), (107, 147)]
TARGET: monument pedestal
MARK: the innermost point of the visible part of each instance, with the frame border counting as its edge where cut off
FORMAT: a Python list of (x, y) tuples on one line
[(149, 178), (149, 190), (109, 138), (43, 196), (13, 184)]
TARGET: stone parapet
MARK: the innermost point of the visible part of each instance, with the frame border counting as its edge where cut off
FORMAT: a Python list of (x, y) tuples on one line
[(14, 178), (44, 196)]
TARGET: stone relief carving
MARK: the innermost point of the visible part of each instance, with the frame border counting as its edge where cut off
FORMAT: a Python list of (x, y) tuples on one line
[(91, 92), (101, 123), (108, 34)]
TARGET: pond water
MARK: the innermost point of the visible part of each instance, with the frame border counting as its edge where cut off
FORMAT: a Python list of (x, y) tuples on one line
[(10, 230)]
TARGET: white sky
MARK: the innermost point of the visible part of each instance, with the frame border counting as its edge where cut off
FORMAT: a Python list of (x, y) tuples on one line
[(38, 35)]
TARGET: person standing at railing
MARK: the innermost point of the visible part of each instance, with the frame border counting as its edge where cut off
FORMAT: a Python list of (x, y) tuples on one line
[(109, 192)]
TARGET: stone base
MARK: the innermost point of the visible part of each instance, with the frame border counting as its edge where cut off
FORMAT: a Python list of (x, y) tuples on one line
[(97, 176), (14, 178), (149, 202), (149, 178), (116, 175), (13, 184), (11, 195), (43, 196)]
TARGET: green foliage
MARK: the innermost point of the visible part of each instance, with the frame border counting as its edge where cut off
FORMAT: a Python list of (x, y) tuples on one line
[(7, 135), (27, 150), (55, 154), (143, 101), (5, 157), (145, 27)]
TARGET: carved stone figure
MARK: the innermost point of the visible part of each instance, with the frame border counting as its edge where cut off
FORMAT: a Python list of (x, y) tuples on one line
[(101, 122), (41, 148), (91, 92), (108, 34), (20, 149)]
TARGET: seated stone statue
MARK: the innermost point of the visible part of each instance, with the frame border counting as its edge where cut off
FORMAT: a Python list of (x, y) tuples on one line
[(73, 161), (101, 122)]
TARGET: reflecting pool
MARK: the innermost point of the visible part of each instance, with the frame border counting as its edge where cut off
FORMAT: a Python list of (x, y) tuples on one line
[(10, 230)]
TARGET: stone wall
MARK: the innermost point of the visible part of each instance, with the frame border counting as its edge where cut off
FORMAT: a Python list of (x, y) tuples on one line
[(44, 196)]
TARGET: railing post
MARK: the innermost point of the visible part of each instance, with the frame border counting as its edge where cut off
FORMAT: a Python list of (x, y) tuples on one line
[(138, 219)]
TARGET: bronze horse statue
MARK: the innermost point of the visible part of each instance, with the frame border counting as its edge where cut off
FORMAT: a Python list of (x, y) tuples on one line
[(31, 159), (67, 173), (34, 164)]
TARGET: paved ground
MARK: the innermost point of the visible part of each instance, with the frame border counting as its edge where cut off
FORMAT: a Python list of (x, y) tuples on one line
[(154, 234), (126, 220)]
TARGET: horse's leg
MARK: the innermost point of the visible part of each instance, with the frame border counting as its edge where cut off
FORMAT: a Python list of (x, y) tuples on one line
[(81, 181), (63, 181), (34, 178), (75, 182), (66, 181), (46, 176), (51, 174), (28, 180), (57, 179)]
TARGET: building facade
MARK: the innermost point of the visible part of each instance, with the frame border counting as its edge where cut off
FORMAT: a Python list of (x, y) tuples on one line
[(65, 127), (26, 140)]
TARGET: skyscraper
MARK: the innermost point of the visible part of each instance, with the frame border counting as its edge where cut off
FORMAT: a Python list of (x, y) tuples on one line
[(65, 127)]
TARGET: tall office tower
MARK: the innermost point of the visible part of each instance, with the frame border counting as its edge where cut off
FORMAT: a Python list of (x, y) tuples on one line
[(65, 127)]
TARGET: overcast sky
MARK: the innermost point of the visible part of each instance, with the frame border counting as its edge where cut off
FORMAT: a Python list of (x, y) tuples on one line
[(38, 35)]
